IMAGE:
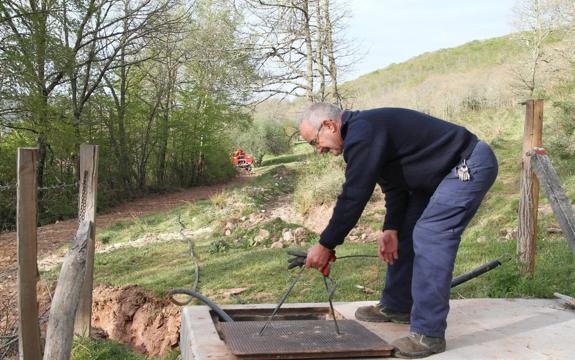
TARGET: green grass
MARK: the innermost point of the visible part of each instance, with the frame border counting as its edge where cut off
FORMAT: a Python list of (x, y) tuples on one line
[(90, 349)]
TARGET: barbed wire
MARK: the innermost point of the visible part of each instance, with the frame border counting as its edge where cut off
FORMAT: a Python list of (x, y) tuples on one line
[(43, 188)]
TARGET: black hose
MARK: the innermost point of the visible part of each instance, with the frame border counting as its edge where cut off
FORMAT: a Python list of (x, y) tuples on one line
[(475, 272), (222, 314)]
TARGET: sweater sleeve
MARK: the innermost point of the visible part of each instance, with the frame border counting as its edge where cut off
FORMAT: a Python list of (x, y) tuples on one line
[(364, 155), (395, 204)]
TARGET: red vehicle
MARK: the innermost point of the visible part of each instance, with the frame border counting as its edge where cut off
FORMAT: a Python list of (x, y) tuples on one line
[(242, 161)]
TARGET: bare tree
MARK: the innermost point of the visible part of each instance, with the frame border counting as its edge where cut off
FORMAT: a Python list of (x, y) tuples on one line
[(536, 21), (294, 38)]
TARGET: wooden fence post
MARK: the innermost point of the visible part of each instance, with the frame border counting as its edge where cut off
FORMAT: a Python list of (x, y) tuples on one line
[(529, 192), (60, 333), (27, 215), (87, 212), (552, 188)]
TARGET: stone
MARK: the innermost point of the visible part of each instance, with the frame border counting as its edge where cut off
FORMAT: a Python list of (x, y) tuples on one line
[(261, 236), (277, 245), (287, 235), (227, 232), (300, 235)]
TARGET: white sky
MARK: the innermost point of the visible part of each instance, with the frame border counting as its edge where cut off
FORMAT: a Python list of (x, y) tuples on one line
[(392, 31)]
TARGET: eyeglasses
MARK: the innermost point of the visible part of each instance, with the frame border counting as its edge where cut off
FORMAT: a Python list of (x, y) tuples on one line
[(315, 141)]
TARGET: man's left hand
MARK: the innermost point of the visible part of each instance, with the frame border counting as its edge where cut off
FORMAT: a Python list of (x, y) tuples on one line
[(317, 257)]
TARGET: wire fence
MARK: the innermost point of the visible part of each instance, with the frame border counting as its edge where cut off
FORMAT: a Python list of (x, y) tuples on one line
[(56, 202), (13, 187)]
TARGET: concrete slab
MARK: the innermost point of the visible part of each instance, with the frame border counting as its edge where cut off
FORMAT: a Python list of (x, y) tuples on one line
[(477, 329)]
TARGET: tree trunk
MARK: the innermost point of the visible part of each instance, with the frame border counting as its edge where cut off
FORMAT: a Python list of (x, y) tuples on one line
[(320, 42), (331, 53), (309, 51)]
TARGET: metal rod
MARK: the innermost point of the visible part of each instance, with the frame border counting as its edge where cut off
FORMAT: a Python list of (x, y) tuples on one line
[(282, 300), (329, 296)]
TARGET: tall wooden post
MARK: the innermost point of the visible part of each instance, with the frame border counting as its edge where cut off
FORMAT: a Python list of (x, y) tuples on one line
[(87, 212), (27, 215), (529, 192)]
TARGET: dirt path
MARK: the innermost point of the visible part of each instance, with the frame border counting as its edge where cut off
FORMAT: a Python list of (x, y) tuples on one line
[(52, 237)]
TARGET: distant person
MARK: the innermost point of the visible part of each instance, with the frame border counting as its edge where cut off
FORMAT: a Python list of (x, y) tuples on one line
[(434, 175)]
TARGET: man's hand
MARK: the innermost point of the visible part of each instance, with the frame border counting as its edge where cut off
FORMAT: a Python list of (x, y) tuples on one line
[(317, 257), (387, 242)]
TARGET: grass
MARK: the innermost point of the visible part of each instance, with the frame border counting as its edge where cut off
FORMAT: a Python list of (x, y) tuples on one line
[(90, 349)]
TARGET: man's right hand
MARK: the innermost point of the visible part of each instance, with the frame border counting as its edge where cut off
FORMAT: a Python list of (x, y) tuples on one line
[(387, 242)]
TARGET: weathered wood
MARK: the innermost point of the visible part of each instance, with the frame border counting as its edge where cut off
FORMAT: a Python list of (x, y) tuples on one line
[(87, 212), (60, 333), (529, 192), (560, 203), (27, 212)]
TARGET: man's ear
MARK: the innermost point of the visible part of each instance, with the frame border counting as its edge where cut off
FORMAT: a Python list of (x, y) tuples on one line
[(330, 124)]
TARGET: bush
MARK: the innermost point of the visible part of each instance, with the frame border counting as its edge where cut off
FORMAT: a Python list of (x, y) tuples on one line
[(319, 182), (263, 138), (218, 246)]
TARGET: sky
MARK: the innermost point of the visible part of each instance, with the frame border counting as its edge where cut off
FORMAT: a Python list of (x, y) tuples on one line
[(392, 31)]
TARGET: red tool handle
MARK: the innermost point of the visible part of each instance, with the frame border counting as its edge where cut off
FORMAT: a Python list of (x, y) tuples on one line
[(325, 269)]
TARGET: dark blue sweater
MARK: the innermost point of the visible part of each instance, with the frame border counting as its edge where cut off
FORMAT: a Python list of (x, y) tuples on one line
[(401, 150)]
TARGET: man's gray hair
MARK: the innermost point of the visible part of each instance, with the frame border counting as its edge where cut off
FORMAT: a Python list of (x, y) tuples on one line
[(317, 112)]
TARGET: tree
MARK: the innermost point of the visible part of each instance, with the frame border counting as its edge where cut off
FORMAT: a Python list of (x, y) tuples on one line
[(293, 39), (537, 21)]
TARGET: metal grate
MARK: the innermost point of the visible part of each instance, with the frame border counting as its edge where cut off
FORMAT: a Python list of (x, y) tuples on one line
[(302, 339)]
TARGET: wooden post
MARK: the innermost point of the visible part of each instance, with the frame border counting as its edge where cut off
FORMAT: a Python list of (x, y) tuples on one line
[(87, 212), (529, 192), (60, 333), (27, 215), (554, 191)]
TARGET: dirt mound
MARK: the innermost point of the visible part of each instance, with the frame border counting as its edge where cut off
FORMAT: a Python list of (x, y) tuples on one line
[(131, 316)]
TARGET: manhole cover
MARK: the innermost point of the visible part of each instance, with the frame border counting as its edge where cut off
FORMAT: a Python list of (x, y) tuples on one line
[(302, 339)]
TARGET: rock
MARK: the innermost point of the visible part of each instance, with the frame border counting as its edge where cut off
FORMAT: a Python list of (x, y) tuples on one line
[(508, 234), (363, 236), (235, 291), (243, 218), (261, 236), (365, 289), (287, 235), (277, 245), (300, 235), (227, 232)]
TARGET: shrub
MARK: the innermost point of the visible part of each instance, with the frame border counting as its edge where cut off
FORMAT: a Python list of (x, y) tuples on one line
[(319, 182)]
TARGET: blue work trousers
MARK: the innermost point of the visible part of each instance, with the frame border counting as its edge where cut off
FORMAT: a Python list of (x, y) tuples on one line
[(420, 279)]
